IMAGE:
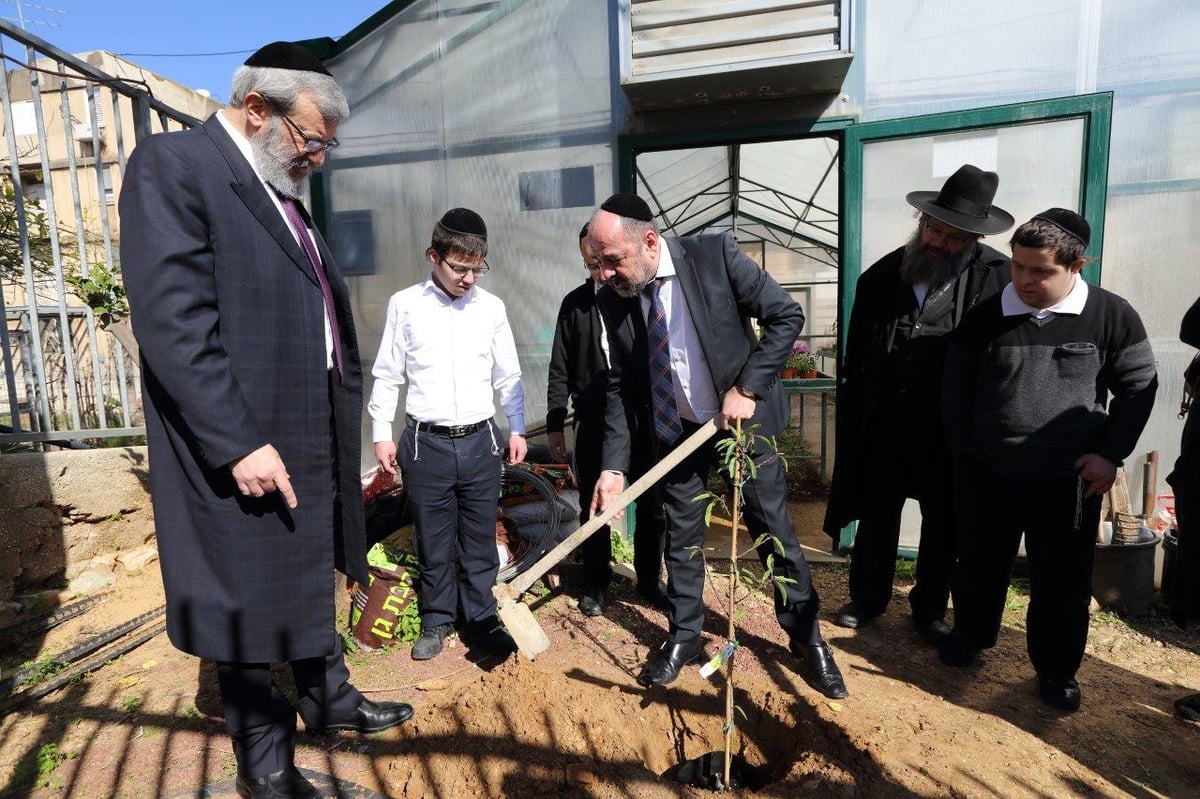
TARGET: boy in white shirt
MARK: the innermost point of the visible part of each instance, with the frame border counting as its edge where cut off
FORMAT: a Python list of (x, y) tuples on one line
[(450, 341)]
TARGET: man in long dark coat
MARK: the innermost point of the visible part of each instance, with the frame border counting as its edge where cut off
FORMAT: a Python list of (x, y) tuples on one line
[(890, 443), (253, 395)]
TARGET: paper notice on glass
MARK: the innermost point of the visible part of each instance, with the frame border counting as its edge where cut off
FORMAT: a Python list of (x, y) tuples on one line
[(951, 152)]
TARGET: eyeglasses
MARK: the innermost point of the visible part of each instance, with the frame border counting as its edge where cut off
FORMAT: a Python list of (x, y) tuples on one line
[(461, 271), (310, 146), (949, 236)]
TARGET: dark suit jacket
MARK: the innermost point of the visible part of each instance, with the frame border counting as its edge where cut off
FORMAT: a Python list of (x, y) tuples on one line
[(229, 319), (577, 367), (724, 290)]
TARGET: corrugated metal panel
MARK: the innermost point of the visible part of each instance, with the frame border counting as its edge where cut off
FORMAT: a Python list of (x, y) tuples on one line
[(669, 36)]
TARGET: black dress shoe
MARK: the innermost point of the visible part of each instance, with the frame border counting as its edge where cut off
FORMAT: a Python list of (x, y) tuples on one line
[(932, 631), (286, 784), (1061, 695), (656, 595), (819, 670), (954, 651), (489, 634), (371, 717), (854, 617), (592, 603), (664, 665)]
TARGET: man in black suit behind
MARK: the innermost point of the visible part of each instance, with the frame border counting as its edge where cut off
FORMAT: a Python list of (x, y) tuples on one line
[(697, 295), (578, 375), (253, 395)]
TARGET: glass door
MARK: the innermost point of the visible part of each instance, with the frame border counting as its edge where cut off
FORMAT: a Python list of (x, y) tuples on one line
[(1047, 153)]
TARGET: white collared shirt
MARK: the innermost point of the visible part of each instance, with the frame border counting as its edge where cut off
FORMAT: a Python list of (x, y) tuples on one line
[(1011, 303), (453, 354), (243, 145), (695, 395), (596, 286)]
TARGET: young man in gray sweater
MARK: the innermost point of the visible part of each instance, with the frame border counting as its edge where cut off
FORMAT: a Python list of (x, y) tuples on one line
[(1036, 444)]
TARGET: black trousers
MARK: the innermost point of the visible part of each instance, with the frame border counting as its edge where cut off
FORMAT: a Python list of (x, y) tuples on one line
[(873, 559), (596, 552), (764, 511), (1060, 536), (453, 485), (261, 721)]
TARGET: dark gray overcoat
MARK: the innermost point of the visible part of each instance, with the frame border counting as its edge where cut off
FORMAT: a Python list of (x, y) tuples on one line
[(229, 318)]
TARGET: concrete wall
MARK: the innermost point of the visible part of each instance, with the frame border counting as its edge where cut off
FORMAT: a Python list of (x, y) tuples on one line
[(71, 520)]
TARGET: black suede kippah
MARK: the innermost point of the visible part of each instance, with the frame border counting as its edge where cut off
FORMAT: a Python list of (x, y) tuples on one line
[(464, 221), (628, 205), (1068, 222), (286, 55)]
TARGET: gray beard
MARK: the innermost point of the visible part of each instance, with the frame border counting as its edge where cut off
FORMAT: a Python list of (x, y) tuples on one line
[(915, 269), (274, 157)]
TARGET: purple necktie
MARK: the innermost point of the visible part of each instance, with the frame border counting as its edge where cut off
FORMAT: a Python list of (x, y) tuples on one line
[(662, 393), (293, 214)]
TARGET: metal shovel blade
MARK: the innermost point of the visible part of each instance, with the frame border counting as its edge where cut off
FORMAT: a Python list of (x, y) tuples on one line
[(514, 614)]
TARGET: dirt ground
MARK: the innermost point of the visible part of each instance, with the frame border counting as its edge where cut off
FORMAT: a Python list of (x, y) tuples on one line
[(575, 723)]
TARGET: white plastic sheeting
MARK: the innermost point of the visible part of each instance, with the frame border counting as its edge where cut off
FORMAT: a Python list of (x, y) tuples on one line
[(452, 103)]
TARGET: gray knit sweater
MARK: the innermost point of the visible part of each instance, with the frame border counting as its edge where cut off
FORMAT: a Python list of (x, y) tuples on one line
[(1030, 396)]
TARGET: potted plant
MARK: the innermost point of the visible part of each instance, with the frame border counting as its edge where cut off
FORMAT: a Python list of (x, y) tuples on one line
[(800, 363)]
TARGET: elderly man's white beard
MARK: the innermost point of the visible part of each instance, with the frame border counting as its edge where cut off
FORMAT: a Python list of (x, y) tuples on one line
[(275, 157)]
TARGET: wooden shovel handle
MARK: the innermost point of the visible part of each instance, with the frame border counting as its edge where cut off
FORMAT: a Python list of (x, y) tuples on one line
[(692, 443)]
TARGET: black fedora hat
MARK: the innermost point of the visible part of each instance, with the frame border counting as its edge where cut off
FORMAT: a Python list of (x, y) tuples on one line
[(965, 202)]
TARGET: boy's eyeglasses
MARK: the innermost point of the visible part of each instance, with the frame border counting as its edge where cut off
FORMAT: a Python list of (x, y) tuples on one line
[(461, 271)]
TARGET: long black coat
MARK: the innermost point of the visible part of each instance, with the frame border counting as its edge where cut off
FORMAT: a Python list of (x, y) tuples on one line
[(861, 395), (229, 319), (1184, 596)]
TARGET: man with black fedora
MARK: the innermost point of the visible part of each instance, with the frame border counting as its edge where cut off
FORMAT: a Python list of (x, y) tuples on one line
[(890, 445), (1037, 441), (253, 395)]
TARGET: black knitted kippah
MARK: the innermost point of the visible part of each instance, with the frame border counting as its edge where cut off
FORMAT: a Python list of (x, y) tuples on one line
[(628, 205), (1069, 222), (286, 55), (464, 221)]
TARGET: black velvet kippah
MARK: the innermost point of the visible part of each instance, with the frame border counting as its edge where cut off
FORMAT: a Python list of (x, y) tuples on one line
[(464, 221), (1069, 222), (628, 205), (286, 55)]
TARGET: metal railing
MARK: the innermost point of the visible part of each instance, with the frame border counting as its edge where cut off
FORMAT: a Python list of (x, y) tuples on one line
[(65, 143)]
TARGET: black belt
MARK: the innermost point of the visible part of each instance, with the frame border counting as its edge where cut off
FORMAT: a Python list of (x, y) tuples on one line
[(449, 431)]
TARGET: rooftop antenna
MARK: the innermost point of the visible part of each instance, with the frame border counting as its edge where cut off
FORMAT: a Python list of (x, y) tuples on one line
[(24, 21)]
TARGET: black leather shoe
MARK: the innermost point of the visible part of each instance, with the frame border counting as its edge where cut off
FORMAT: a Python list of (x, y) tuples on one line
[(954, 651), (371, 717), (664, 665), (656, 595), (1061, 695), (819, 670), (592, 603), (429, 645), (932, 631), (490, 634), (286, 784), (852, 616)]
